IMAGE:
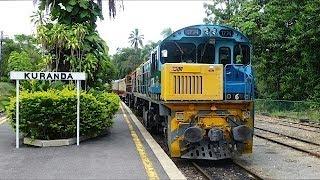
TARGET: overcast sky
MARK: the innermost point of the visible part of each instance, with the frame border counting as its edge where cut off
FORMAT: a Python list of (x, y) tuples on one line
[(150, 17)]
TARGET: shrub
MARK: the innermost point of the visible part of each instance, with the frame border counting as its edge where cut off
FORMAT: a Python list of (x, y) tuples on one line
[(52, 114), (6, 90)]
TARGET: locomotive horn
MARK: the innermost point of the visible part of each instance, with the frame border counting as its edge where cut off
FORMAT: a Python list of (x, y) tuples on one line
[(242, 133), (193, 134)]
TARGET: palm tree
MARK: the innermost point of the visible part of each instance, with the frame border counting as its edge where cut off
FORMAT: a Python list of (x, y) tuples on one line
[(39, 17), (136, 39), (45, 4), (166, 32)]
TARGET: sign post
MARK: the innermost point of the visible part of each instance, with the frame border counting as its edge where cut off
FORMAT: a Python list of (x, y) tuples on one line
[(71, 76), (17, 114)]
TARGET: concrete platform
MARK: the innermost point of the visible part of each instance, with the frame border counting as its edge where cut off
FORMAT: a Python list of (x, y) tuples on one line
[(113, 156)]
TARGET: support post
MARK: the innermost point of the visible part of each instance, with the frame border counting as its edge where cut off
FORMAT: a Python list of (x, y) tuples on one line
[(78, 111), (17, 114)]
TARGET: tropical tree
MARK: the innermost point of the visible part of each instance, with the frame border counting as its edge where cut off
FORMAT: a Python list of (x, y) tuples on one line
[(39, 17), (72, 40), (285, 45), (128, 59), (20, 43), (135, 38), (47, 4), (166, 32), (221, 11)]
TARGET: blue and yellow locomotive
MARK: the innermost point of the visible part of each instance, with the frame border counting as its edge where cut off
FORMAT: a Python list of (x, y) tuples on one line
[(197, 88)]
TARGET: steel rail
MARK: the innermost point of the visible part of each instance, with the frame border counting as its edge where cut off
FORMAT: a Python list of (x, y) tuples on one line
[(287, 145), (202, 171), (288, 136), (314, 125), (248, 171), (282, 123)]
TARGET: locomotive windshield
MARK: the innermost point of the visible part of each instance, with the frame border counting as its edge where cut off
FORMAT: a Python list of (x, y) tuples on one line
[(177, 52)]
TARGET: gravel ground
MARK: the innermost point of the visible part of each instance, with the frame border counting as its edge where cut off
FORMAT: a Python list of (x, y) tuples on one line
[(287, 130)]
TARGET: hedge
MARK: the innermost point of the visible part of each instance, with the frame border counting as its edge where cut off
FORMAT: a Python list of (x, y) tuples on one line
[(52, 115)]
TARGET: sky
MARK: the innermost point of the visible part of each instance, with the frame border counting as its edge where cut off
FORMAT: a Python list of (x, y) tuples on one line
[(150, 17)]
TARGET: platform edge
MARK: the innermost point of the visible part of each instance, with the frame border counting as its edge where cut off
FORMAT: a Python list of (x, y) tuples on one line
[(168, 165)]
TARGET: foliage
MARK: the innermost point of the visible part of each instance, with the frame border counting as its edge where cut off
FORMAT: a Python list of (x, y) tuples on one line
[(135, 38), (52, 114), (285, 44), (19, 62), (72, 40), (221, 11), (128, 59), (39, 17), (166, 32), (290, 109), (25, 47), (6, 90)]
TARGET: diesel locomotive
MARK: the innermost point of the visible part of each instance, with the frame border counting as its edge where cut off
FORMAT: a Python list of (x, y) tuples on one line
[(197, 88)]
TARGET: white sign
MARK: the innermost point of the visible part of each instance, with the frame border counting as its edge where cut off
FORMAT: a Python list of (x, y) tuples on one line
[(78, 76), (47, 75)]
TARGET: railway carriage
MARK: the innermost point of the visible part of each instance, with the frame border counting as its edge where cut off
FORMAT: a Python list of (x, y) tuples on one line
[(197, 88)]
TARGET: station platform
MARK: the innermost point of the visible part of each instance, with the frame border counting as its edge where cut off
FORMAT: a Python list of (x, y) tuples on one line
[(128, 151)]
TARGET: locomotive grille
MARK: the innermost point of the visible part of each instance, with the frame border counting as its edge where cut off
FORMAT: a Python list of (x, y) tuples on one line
[(189, 84)]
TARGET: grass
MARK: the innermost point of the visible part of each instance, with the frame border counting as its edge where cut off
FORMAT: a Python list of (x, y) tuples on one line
[(294, 110), (6, 90)]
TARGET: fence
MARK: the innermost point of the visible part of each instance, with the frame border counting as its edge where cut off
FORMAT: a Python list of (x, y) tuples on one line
[(290, 109)]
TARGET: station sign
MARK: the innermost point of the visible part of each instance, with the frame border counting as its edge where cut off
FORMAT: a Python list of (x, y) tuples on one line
[(67, 76), (47, 76)]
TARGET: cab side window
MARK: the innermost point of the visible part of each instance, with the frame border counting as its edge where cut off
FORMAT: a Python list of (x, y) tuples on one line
[(154, 63), (224, 55), (241, 54)]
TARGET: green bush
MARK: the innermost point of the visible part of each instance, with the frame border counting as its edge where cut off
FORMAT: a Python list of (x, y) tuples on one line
[(52, 114), (6, 90)]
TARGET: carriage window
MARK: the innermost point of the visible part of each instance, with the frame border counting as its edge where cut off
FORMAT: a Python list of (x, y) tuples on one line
[(241, 54), (178, 52), (154, 62), (224, 55), (205, 53)]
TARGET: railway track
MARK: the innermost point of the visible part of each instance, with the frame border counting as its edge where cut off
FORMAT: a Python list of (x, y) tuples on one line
[(208, 171), (307, 124), (299, 144), (291, 125)]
